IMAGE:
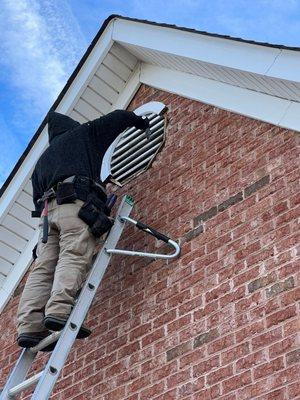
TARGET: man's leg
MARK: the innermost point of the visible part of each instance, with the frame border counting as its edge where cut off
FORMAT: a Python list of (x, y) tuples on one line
[(38, 286), (77, 246)]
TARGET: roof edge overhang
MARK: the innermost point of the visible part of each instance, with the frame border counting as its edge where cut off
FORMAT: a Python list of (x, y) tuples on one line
[(272, 58)]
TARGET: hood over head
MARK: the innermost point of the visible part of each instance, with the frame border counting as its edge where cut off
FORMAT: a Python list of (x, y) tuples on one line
[(59, 124)]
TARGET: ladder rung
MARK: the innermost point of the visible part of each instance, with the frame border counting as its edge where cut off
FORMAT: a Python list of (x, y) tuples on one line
[(25, 384), (45, 342)]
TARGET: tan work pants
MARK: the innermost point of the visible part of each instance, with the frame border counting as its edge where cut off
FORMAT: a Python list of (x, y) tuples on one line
[(59, 270)]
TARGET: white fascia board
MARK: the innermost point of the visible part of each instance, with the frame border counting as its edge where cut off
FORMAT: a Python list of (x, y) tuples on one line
[(286, 66), (13, 279), (246, 102), (291, 119), (225, 52)]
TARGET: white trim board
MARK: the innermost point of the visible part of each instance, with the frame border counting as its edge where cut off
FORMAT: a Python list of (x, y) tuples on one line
[(253, 104), (264, 60), (286, 66)]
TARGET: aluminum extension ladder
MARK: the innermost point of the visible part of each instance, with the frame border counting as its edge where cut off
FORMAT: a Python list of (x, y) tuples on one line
[(46, 379)]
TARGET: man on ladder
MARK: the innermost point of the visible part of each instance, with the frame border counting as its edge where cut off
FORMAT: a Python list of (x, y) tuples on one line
[(71, 201)]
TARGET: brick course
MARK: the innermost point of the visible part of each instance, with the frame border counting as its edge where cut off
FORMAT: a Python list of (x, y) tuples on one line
[(222, 321)]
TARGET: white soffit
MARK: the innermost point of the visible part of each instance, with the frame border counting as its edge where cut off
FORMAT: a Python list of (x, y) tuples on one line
[(248, 80)]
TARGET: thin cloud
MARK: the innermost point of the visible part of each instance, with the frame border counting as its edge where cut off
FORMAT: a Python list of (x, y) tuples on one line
[(41, 42), (12, 148), (274, 21)]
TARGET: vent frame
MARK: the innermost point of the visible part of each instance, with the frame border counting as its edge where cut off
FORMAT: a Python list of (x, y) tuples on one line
[(133, 147)]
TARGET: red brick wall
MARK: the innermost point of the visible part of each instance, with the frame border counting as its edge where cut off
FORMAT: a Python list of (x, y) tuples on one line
[(222, 321)]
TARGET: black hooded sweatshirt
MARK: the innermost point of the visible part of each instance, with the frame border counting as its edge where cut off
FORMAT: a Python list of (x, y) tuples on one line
[(77, 149)]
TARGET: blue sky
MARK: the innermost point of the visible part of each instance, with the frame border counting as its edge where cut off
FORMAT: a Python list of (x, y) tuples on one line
[(43, 40)]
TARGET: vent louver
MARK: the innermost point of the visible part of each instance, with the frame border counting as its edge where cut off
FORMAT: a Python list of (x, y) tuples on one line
[(133, 152)]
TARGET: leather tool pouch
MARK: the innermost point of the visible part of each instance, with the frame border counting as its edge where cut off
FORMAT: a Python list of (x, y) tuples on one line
[(65, 193), (101, 225), (93, 214)]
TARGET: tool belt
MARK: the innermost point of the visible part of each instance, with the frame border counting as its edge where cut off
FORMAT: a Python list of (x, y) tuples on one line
[(94, 212)]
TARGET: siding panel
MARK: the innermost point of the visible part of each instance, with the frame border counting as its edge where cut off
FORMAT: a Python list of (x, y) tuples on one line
[(122, 54), (86, 110), (103, 89), (18, 227), (97, 101), (23, 215), (26, 201), (110, 77), (28, 188), (117, 66), (12, 239), (8, 253)]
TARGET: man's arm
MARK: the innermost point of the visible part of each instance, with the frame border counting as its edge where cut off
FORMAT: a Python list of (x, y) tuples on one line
[(109, 126)]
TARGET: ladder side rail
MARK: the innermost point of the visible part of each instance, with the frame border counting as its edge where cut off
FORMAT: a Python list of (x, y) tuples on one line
[(59, 355), (22, 366), (19, 372), (25, 384)]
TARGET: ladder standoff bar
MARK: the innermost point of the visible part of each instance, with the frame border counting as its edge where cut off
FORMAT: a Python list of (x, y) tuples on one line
[(147, 229)]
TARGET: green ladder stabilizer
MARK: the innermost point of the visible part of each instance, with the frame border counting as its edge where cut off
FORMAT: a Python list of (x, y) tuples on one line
[(46, 379)]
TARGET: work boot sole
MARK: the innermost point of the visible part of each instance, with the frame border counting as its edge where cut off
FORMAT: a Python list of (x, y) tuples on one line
[(28, 340), (57, 324)]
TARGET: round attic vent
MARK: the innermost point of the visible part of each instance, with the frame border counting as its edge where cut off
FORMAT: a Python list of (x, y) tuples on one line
[(133, 151)]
